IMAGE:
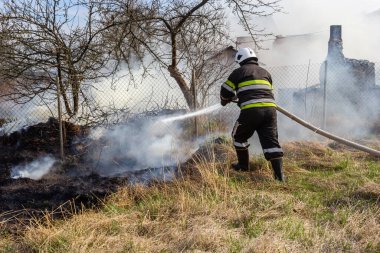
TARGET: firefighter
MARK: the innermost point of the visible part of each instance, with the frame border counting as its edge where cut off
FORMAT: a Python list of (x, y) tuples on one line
[(252, 86)]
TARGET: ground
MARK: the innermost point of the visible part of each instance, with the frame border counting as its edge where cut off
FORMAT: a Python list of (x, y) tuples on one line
[(71, 181), (330, 202)]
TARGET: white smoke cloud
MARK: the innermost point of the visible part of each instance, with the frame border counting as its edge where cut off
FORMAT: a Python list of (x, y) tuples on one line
[(310, 15), (303, 31), (143, 144), (34, 170), (305, 24)]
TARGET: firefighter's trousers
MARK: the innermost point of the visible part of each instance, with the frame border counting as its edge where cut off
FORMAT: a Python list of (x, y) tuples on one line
[(264, 121)]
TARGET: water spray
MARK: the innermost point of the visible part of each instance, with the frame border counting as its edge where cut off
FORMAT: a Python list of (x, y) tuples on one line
[(193, 114)]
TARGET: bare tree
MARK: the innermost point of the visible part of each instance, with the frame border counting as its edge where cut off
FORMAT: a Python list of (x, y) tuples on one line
[(77, 42), (48, 40), (182, 35)]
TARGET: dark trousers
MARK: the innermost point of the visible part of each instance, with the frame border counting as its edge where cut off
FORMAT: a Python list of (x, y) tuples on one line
[(264, 121)]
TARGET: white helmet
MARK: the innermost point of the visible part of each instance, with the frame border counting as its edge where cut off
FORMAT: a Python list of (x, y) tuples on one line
[(244, 54)]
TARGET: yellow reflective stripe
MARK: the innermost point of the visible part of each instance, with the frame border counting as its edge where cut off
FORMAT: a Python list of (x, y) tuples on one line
[(231, 84), (259, 104), (260, 100), (253, 82), (254, 87)]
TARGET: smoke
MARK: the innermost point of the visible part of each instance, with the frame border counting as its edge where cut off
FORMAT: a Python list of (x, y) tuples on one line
[(302, 34), (34, 170), (304, 26), (143, 144), (19, 116)]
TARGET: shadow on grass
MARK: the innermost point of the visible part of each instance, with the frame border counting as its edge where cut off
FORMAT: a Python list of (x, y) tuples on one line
[(365, 196)]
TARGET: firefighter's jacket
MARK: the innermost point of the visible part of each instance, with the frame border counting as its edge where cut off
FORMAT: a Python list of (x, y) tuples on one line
[(251, 84)]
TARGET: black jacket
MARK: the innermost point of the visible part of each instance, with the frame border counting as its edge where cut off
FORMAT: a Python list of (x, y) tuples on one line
[(251, 84)]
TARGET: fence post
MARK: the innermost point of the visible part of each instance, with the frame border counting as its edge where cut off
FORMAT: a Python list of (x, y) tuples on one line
[(324, 97), (194, 92), (60, 112), (307, 84)]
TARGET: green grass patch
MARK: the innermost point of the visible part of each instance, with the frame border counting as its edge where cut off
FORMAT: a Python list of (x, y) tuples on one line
[(330, 203)]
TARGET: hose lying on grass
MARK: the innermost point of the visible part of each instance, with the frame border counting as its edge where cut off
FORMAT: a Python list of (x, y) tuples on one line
[(327, 134)]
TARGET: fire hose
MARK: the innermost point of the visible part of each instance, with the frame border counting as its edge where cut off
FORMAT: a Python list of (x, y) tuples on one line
[(326, 134)]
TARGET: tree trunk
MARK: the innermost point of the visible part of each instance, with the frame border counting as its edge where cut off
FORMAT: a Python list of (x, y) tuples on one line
[(75, 93), (182, 85), (65, 99), (61, 86)]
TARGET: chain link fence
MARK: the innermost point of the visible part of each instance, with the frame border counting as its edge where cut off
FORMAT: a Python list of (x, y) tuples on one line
[(345, 99)]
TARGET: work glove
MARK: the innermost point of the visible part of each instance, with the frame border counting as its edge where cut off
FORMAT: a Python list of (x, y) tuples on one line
[(224, 102)]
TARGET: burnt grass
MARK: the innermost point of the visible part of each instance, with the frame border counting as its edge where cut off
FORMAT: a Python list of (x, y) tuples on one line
[(70, 185), (73, 185)]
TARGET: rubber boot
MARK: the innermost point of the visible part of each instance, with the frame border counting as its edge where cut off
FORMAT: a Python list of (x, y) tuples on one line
[(277, 168), (243, 160)]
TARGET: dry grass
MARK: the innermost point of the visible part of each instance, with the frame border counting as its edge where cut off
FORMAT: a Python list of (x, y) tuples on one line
[(329, 204)]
